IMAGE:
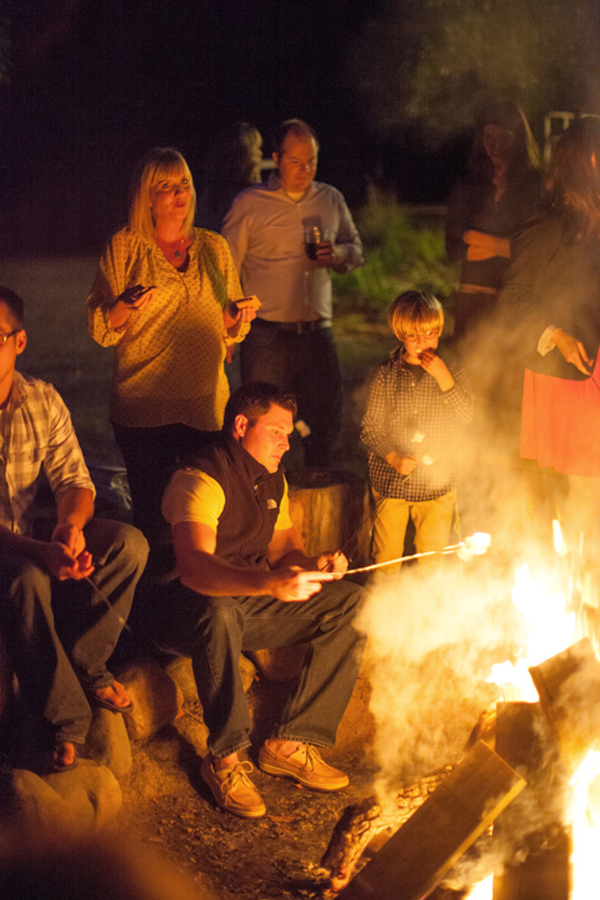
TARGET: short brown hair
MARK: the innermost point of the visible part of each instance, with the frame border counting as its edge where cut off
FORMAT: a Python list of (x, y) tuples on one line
[(254, 400), (415, 311), (298, 128), (157, 165)]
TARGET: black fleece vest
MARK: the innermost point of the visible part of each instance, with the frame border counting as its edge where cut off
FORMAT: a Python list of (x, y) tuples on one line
[(252, 500)]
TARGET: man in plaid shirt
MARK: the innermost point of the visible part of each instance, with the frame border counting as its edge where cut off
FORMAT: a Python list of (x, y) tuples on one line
[(59, 631), (417, 404)]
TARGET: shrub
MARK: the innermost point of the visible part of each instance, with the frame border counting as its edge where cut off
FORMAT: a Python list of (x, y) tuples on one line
[(402, 251)]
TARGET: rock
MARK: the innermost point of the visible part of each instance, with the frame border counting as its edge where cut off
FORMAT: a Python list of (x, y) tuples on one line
[(87, 797), (157, 700), (91, 792), (180, 670), (194, 731), (357, 727), (35, 801), (247, 671), (107, 742), (283, 663)]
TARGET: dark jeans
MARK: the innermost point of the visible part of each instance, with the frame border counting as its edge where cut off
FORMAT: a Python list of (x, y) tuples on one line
[(215, 630), (151, 455), (60, 634), (307, 365)]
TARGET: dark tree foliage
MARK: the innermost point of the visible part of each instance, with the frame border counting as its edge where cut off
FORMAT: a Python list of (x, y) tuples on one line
[(427, 63)]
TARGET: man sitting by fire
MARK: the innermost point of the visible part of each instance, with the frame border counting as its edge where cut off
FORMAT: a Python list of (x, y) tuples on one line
[(65, 591), (244, 583)]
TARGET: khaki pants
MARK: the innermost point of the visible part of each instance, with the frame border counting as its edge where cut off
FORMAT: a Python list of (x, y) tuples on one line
[(432, 520)]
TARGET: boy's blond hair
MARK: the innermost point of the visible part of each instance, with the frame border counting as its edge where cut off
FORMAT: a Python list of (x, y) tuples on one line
[(415, 312)]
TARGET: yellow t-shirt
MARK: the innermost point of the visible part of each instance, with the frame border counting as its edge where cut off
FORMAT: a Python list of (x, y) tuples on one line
[(193, 496), (169, 358)]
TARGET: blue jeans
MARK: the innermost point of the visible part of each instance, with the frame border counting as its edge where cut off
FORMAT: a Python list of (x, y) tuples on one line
[(60, 634), (215, 630), (307, 365)]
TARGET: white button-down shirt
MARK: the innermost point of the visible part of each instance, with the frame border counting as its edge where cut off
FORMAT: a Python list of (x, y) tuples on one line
[(265, 232)]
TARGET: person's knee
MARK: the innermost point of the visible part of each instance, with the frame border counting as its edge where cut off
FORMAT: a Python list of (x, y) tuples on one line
[(134, 544), (108, 539), (24, 583), (222, 615), (345, 600)]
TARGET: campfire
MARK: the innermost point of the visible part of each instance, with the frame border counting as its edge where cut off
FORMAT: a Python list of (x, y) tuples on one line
[(514, 818)]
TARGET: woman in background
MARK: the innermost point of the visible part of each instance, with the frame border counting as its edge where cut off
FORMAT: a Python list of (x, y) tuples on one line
[(550, 306), (495, 198), (164, 298), (235, 163)]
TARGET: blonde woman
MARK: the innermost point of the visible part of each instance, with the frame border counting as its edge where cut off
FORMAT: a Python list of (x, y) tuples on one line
[(165, 298)]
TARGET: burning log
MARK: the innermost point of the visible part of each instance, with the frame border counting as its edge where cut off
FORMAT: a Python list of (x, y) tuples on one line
[(569, 689), (362, 824), (530, 835), (413, 862)]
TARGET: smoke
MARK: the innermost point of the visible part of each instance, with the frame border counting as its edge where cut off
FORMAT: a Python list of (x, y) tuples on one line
[(432, 640)]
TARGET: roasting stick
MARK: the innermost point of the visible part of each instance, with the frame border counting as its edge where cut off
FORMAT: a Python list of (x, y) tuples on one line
[(475, 545), (106, 601)]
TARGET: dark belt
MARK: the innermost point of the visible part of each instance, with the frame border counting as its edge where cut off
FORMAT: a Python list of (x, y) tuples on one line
[(295, 327)]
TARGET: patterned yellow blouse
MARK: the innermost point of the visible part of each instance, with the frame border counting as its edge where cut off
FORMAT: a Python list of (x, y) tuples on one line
[(168, 365)]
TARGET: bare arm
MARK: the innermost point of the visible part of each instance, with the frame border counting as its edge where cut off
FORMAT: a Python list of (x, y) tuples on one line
[(64, 556), (285, 550), (75, 509), (201, 570)]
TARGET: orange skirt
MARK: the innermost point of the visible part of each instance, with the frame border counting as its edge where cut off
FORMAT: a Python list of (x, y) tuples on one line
[(560, 422)]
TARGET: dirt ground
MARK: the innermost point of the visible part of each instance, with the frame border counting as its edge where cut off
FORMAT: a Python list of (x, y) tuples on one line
[(167, 805)]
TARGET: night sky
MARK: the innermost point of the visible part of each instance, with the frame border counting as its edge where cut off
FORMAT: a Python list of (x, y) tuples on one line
[(95, 83)]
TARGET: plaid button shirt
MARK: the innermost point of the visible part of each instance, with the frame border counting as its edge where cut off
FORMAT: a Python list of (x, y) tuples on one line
[(35, 431), (415, 418)]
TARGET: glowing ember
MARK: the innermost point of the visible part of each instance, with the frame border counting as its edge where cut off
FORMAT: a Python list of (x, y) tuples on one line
[(551, 629), (559, 544), (584, 858), (482, 891)]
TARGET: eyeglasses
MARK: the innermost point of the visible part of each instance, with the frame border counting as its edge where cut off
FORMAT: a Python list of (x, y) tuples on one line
[(422, 335), (5, 337)]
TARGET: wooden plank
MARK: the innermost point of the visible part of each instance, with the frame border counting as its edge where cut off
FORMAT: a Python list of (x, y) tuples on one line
[(543, 876), (569, 689), (530, 829), (418, 855)]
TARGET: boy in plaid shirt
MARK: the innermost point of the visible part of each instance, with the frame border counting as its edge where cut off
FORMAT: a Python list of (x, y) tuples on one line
[(417, 405)]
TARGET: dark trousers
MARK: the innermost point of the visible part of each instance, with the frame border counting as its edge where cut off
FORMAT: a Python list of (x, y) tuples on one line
[(151, 455), (60, 634), (213, 631), (307, 365)]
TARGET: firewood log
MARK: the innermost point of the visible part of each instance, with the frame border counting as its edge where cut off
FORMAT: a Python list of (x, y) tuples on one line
[(364, 822)]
